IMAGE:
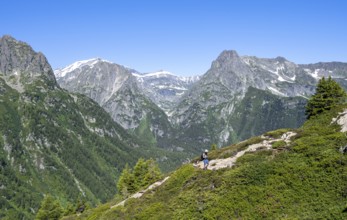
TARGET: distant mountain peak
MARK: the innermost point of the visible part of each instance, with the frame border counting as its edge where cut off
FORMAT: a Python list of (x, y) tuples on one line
[(228, 54), (78, 64), (281, 59)]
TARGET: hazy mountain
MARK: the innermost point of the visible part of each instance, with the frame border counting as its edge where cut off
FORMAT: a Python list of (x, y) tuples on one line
[(164, 88)]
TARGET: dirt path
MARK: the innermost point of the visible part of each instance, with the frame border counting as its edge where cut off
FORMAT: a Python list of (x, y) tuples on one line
[(229, 162), (140, 193), (219, 163)]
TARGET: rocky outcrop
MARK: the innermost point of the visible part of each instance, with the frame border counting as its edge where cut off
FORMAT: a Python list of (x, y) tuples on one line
[(18, 58)]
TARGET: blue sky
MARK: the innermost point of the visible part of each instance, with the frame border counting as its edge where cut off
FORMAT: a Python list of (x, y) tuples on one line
[(181, 36)]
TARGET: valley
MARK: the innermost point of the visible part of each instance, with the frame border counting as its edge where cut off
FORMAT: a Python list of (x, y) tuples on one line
[(69, 133)]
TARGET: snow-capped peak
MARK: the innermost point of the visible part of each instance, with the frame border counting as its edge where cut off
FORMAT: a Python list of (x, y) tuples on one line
[(79, 64)]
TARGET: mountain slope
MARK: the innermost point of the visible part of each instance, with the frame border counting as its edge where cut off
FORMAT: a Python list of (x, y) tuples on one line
[(116, 89), (213, 111), (303, 177), (55, 142)]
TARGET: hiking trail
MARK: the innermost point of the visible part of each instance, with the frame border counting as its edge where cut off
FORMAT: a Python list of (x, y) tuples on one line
[(217, 164)]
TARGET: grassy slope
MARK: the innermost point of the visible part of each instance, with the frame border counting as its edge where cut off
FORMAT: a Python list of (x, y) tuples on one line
[(306, 180)]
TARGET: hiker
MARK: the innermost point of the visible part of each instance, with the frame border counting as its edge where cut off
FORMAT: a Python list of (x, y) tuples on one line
[(205, 159)]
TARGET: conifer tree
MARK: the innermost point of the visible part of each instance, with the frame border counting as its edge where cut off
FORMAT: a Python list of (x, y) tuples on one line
[(144, 174), (140, 171), (126, 183), (328, 94), (50, 209), (153, 172)]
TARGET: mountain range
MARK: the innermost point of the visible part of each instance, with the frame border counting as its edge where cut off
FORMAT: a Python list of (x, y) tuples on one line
[(238, 97)]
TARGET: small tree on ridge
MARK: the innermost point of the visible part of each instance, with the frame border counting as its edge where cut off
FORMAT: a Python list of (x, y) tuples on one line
[(328, 94)]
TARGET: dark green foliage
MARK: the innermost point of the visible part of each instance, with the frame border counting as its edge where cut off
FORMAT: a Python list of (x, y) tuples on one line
[(144, 173), (278, 144), (50, 209), (126, 183), (328, 95)]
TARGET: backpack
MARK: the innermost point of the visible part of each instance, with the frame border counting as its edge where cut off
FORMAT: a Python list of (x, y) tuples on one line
[(202, 157)]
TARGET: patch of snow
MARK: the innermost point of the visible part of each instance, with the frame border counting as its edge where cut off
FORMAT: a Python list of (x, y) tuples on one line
[(280, 78), (163, 73), (293, 78), (189, 79), (170, 87), (313, 74), (158, 74), (276, 92)]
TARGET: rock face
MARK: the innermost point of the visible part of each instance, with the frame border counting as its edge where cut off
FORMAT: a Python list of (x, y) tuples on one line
[(19, 58), (117, 90), (96, 78)]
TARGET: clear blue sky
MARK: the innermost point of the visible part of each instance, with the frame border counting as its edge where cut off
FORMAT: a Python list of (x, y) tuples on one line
[(181, 36)]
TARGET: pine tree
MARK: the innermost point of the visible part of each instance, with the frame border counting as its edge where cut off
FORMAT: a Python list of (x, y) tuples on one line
[(140, 171), (153, 173), (144, 174), (50, 209), (328, 94), (126, 184)]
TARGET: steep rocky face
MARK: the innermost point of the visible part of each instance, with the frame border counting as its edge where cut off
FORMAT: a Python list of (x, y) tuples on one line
[(19, 61), (116, 89), (96, 78)]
